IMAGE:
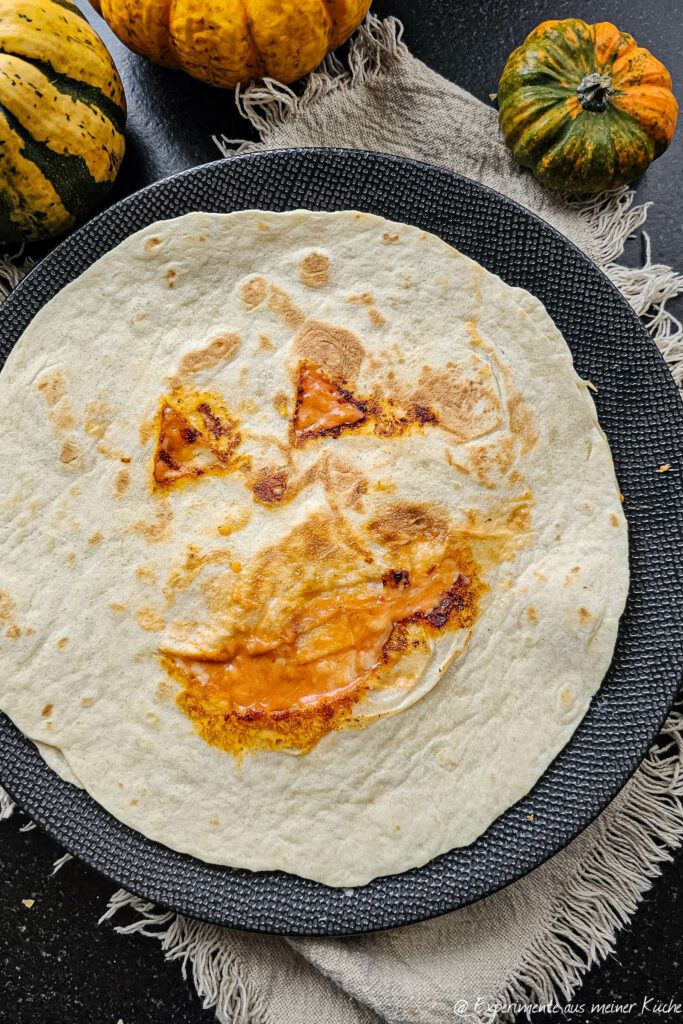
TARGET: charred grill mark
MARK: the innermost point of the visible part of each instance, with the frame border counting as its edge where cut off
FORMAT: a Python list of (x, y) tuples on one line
[(452, 600), (163, 456), (396, 578), (212, 422), (270, 488), (422, 414), (459, 598), (308, 435)]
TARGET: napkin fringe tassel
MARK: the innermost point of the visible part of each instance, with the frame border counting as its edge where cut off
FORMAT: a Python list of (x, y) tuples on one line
[(12, 269), (218, 976)]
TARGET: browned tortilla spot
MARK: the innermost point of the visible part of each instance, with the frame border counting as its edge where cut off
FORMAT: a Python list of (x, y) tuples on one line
[(147, 573), (571, 576), (13, 632), (62, 417), (181, 575), (148, 429), (253, 291), (522, 423), (334, 349), (614, 519), (389, 239), (116, 607), (262, 226), (47, 710), (217, 351), (70, 453), (377, 318), (236, 519), (281, 403), (486, 462), (170, 278), (165, 689), (314, 270), (152, 243), (584, 616), (158, 529), (121, 482), (62, 642), (264, 343), (98, 418), (364, 298), (87, 701), (465, 407), (149, 619), (531, 614), (52, 387), (399, 524), (282, 304), (95, 538), (6, 607), (344, 484)]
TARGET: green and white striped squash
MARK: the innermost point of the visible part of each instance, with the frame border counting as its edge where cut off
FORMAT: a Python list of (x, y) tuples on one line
[(62, 115)]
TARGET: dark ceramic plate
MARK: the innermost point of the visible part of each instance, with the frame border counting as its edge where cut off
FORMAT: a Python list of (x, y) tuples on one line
[(641, 412)]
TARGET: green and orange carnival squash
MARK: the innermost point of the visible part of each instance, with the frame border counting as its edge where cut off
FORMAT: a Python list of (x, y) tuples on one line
[(584, 107), (62, 114), (224, 42)]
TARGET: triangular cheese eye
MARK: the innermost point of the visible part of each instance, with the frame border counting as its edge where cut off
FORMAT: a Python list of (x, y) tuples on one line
[(323, 407), (182, 450)]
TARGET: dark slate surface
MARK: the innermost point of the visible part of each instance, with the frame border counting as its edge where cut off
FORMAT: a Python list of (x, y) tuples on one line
[(56, 964)]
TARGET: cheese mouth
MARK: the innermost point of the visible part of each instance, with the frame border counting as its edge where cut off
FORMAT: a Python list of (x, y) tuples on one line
[(341, 648)]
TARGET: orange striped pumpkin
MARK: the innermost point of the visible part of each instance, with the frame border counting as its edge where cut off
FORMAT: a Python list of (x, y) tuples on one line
[(224, 42)]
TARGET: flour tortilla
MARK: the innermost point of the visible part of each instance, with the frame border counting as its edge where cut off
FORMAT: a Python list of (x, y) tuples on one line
[(86, 556)]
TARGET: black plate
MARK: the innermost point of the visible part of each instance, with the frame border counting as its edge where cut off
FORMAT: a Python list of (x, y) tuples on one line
[(641, 412)]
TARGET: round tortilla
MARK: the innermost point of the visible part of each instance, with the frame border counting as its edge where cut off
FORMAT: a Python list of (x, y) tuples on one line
[(101, 569)]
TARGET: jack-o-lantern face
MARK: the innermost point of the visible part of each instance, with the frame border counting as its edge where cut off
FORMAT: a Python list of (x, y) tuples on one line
[(351, 590)]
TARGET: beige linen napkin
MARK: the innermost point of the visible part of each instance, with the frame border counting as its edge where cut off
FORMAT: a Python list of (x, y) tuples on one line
[(532, 942)]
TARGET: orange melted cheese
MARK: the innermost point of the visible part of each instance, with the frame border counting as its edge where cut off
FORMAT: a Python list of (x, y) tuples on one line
[(324, 657), (323, 407), (185, 450), (181, 451)]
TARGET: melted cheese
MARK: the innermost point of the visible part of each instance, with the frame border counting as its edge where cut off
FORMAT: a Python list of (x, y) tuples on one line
[(322, 406), (182, 451), (332, 644)]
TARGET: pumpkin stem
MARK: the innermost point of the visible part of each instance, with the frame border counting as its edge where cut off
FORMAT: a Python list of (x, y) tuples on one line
[(594, 92)]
